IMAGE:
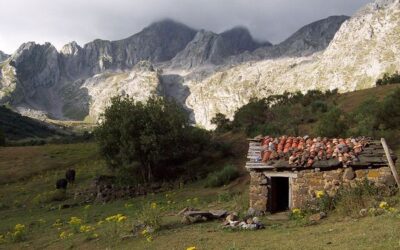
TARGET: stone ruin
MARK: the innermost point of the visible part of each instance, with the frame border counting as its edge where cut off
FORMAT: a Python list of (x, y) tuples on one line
[(288, 172)]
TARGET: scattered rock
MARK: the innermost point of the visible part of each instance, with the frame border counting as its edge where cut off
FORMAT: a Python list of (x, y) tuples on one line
[(232, 217), (317, 217), (248, 224), (363, 212)]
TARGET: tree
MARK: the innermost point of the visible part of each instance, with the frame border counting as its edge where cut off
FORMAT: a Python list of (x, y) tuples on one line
[(223, 124), (332, 123), (389, 115), (147, 140), (2, 138), (365, 120)]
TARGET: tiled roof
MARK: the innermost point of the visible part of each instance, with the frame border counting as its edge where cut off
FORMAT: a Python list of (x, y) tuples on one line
[(296, 153)]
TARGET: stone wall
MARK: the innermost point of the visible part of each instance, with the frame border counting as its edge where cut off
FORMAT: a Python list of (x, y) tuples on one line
[(308, 182), (258, 191)]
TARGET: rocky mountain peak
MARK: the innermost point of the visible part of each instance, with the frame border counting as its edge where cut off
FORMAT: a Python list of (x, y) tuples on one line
[(71, 48), (209, 48), (307, 40)]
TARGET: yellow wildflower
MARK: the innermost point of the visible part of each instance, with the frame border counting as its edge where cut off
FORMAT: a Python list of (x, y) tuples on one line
[(384, 205), (191, 248), (149, 239), (116, 218), (296, 211), (19, 227), (64, 235), (153, 205), (86, 229), (392, 209), (144, 232), (75, 221), (100, 222), (2, 239), (319, 194), (121, 218)]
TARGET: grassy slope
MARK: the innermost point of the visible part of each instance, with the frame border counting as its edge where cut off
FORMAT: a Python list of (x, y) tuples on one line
[(31, 171), (17, 127)]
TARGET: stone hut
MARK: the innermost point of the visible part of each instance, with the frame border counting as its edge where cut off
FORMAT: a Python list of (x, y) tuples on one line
[(288, 172)]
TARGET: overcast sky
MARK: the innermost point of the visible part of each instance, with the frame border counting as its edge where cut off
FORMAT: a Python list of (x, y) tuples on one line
[(62, 21)]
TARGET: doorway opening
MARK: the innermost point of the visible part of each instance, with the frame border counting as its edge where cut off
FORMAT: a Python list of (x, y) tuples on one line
[(278, 194)]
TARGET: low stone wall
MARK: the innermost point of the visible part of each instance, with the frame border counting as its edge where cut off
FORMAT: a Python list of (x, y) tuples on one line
[(308, 182)]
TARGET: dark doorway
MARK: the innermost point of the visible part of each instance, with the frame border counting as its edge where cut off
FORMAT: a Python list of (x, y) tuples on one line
[(278, 194)]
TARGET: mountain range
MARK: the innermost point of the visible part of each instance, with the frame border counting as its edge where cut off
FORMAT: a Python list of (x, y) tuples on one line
[(206, 72)]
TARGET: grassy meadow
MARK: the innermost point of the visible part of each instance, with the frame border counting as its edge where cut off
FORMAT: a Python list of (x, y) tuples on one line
[(27, 183)]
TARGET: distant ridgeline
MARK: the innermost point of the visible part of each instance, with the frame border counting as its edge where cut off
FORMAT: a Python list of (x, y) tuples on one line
[(17, 127)]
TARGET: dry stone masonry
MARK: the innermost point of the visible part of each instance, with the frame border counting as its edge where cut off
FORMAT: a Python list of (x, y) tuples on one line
[(276, 185)]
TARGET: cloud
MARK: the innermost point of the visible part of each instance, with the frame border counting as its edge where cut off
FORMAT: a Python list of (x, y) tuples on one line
[(62, 21)]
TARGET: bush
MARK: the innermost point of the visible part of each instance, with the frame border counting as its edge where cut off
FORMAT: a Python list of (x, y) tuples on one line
[(222, 123), (223, 177), (349, 201), (389, 114), (47, 197), (2, 138), (388, 79), (365, 118), (156, 134), (151, 215), (332, 123)]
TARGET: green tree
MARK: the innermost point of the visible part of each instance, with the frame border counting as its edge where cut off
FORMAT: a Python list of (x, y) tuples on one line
[(223, 124), (365, 118), (2, 138), (332, 123), (389, 115), (148, 140)]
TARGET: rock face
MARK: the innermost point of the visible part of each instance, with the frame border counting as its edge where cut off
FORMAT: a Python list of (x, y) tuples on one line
[(210, 48), (361, 51), (207, 72), (311, 38), (3, 56)]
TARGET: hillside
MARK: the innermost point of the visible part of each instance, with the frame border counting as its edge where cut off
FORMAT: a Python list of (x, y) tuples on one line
[(17, 127), (28, 176)]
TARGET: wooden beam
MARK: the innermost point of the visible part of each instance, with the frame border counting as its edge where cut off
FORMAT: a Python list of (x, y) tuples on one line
[(280, 174), (390, 161)]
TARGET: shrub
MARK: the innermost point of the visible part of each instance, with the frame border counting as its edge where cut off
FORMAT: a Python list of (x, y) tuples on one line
[(157, 134), (365, 118), (223, 177), (223, 124), (50, 196), (349, 201), (389, 114), (151, 215), (2, 138), (19, 233), (388, 79), (332, 123)]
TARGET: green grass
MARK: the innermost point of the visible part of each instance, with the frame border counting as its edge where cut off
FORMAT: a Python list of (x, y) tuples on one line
[(18, 163), (17, 206), (26, 172)]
